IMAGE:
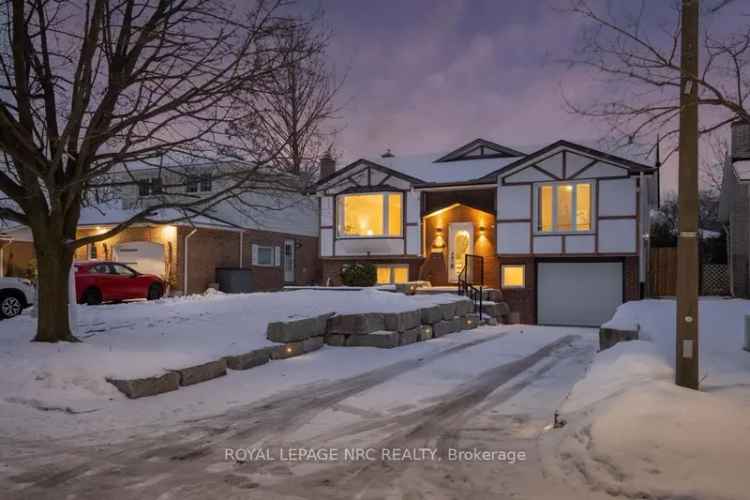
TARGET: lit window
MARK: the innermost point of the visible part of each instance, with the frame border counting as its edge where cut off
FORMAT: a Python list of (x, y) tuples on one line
[(388, 274), (370, 215), (564, 208), (513, 276)]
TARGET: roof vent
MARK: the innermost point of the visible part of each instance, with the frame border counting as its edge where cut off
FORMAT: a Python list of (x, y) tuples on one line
[(387, 154)]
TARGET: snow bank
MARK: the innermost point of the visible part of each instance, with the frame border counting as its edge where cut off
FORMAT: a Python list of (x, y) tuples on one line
[(662, 441), (145, 338), (634, 433)]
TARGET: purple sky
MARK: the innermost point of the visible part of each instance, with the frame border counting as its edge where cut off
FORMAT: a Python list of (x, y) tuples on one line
[(426, 76)]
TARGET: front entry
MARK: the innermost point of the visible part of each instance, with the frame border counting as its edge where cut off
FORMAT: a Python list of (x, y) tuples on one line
[(460, 243), (289, 261)]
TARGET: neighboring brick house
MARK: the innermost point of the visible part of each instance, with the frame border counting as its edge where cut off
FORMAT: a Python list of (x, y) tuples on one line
[(558, 230), (278, 244), (734, 210)]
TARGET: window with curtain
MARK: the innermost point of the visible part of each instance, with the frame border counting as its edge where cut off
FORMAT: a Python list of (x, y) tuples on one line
[(564, 207), (370, 215)]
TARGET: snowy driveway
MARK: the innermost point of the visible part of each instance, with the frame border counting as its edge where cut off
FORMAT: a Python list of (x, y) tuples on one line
[(417, 417)]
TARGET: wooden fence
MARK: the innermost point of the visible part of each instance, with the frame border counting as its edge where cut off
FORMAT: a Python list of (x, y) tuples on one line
[(662, 276)]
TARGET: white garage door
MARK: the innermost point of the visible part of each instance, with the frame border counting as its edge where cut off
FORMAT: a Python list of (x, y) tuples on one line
[(580, 293), (144, 256)]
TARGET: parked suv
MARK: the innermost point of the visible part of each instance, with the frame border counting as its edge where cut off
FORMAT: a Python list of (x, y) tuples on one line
[(15, 295), (98, 282)]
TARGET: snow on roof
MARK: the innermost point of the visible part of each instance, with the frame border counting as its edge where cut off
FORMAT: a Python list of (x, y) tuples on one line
[(425, 168), (113, 213), (742, 169)]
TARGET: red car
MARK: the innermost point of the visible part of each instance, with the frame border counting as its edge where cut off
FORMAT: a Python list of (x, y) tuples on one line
[(98, 282)]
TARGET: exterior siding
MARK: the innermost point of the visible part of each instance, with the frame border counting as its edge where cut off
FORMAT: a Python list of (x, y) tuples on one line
[(739, 223), (332, 267)]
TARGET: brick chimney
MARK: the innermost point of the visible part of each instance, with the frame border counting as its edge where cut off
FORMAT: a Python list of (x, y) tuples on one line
[(327, 165), (740, 140)]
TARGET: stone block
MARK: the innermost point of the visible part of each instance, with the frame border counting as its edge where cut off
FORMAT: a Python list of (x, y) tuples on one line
[(514, 318), (406, 288), (470, 321), (490, 309), (297, 329), (448, 310), (249, 359), (148, 386), (464, 307), (494, 295), (490, 321), (502, 309), (288, 350), (312, 344), (356, 324), (431, 315), (425, 332), (457, 324), (410, 336), (609, 337), (337, 340), (446, 326), (381, 339), (402, 321), (200, 373)]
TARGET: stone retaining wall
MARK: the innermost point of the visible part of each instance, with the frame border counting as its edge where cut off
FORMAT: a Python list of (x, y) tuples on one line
[(299, 336), (610, 336)]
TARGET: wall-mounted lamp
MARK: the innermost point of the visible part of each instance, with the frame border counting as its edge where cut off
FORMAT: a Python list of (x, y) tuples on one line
[(482, 229), (439, 243)]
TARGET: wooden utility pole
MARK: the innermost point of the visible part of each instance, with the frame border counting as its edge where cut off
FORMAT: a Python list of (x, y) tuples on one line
[(686, 366)]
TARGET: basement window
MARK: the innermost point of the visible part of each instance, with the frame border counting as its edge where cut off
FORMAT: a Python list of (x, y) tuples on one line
[(513, 276), (392, 274)]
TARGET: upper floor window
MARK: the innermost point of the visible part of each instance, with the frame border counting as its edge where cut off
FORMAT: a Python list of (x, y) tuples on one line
[(564, 207), (370, 215), (191, 186), (150, 186), (206, 183)]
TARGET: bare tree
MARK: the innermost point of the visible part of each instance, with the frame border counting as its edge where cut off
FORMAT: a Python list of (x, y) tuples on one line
[(633, 48), (292, 109), (93, 90)]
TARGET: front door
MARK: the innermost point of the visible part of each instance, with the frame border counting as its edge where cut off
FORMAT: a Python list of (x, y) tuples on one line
[(460, 243), (289, 261)]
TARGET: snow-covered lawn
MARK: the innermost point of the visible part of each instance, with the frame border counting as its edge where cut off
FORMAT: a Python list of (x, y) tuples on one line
[(634, 433), (143, 338)]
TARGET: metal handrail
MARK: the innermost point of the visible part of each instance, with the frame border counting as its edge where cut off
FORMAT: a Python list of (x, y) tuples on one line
[(467, 281)]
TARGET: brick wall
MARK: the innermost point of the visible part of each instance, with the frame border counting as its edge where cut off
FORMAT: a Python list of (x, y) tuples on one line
[(521, 300), (307, 269), (435, 267), (332, 267), (17, 257)]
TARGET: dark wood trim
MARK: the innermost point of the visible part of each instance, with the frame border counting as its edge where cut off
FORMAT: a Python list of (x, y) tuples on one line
[(544, 172), (564, 164), (502, 221), (597, 229), (617, 217), (412, 223), (589, 257), (385, 179), (370, 257), (564, 237), (326, 227), (586, 167)]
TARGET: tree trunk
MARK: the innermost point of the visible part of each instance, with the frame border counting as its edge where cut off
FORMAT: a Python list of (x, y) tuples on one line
[(54, 259)]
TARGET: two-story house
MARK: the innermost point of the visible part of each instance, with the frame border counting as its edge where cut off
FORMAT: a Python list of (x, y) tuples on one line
[(272, 234), (560, 230)]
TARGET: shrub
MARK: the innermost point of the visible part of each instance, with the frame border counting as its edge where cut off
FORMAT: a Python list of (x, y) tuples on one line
[(359, 274)]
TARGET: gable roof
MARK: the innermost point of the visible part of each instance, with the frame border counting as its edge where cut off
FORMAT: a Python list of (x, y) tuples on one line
[(488, 149), (630, 165), (372, 164)]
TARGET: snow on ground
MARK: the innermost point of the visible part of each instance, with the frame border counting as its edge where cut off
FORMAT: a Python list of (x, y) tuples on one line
[(144, 338), (634, 433)]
